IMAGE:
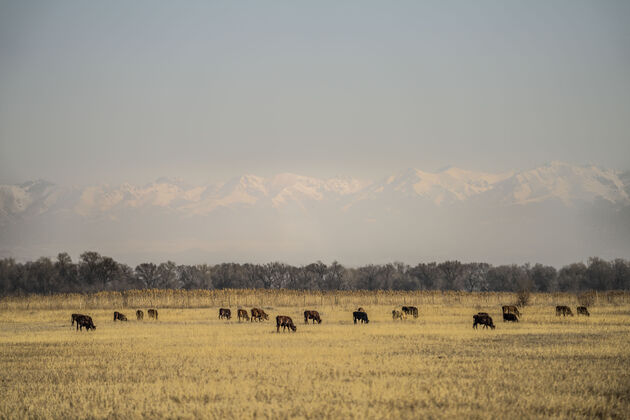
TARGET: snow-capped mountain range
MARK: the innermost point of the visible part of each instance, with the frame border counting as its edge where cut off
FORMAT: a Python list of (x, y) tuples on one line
[(556, 213), (556, 181)]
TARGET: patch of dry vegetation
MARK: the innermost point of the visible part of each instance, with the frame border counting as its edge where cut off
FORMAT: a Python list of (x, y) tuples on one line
[(189, 364)]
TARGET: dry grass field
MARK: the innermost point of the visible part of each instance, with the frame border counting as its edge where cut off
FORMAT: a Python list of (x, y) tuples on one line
[(190, 364)]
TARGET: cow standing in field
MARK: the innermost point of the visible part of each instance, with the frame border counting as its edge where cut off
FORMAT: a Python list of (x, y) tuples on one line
[(360, 316), (153, 313), (85, 321), (139, 315), (410, 310), (258, 315), (242, 314), (482, 319), (510, 317), (582, 310), (563, 310), (284, 322), (225, 313), (397, 315), (511, 309), (119, 316), (314, 315)]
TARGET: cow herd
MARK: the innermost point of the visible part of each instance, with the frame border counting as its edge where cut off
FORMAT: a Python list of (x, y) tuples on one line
[(510, 314)]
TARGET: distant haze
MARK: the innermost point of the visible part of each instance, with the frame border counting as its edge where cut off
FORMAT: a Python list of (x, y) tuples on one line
[(141, 120)]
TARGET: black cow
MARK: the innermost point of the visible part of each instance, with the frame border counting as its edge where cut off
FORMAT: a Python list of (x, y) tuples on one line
[(410, 310), (360, 316), (582, 310), (284, 322), (74, 317), (225, 313), (314, 315), (484, 320), (85, 321), (510, 317), (139, 315), (119, 316), (153, 313)]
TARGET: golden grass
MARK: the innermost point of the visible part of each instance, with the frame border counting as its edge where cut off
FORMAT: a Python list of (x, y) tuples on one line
[(189, 364)]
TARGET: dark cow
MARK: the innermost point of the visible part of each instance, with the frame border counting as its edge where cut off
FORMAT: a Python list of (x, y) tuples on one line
[(284, 322), (119, 316), (563, 310), (153, 313), (242, 314), (360, 316), (85, 321), (510, 309), (582, 310), (139, 315), (314, 315), (74, 318), (510, 317), (225, 313), (398, 315), (258, 315), (484, 320), (410, 310)]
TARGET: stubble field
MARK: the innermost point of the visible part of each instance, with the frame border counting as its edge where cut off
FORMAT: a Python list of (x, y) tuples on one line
[(190, 364)]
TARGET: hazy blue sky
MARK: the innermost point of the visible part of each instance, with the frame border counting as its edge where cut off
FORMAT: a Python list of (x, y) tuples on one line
[(119, 91)]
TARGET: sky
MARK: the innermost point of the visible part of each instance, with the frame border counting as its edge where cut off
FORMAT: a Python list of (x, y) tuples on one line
[(119, 91)]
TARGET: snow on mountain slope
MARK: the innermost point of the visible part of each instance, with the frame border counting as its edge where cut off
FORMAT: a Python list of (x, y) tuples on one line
[(565, 182), (556, 181)]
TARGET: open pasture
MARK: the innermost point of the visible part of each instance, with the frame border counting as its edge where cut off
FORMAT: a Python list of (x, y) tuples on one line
[(190, 364)]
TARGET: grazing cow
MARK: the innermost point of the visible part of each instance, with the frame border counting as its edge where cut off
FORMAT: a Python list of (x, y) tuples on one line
[(85, 321), (139, 315), (398, 315), (563, 310), (153, 313), (314, 315), (242, 314), (284, 322), (258, 314), (360, 316), (511, 309), (510, 317), (74, 317), (119, 316), (582, 310), (225, 313), (410, 310), (484, 320)]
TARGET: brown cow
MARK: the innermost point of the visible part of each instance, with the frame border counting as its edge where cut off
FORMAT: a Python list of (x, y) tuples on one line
[(563, 310), (398, 315), (119, 316), (510, 309), (139, 315), (153, 313), (258, 315), (284, 322), (314, 315), (242, 314), (225, 313), (410, 310), (484, 320), (582, 310), (85, 321)]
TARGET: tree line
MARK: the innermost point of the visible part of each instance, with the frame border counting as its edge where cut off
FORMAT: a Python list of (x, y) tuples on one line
[(94, 272)]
